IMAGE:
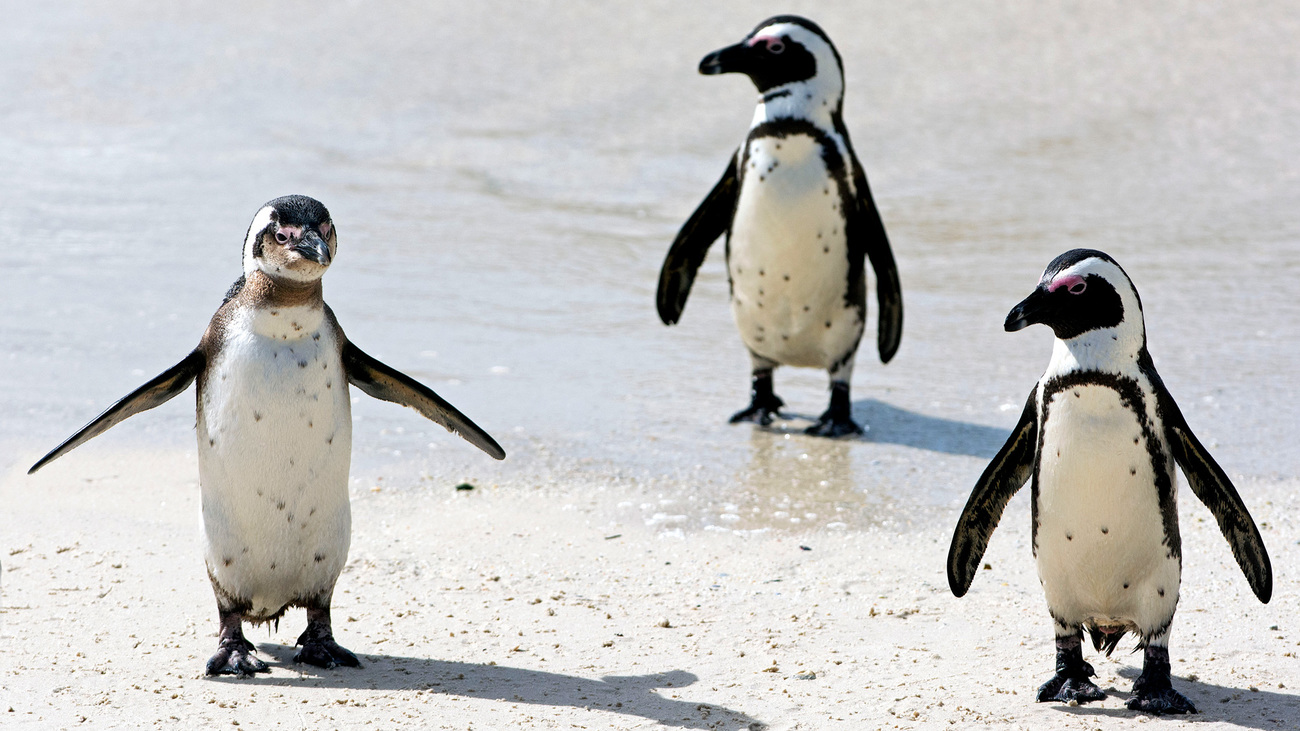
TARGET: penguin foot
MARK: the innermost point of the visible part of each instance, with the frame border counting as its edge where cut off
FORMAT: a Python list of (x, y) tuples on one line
[(326, 654), (761, 414), (831, 426), (235, 657), (1070, 684), (837, 420), (763, 404), (1152, 691), (321, 650), (1160, 702), (1068, 687)]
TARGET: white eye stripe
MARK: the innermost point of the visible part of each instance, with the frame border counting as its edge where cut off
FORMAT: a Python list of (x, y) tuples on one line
[(263, 219)]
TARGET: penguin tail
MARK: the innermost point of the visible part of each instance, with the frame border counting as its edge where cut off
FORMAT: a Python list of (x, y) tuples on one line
[(1105, 640)]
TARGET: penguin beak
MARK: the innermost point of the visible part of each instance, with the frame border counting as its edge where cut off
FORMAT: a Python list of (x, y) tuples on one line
[(313, 247), (732, 59), (1032, 310)]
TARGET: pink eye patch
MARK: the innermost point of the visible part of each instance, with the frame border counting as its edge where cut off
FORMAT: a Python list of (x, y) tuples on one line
[(771, 42), (1073, 283)]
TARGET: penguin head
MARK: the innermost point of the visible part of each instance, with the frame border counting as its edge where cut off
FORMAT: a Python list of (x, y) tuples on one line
[(291, 238), (784, 51), (1081, 293)]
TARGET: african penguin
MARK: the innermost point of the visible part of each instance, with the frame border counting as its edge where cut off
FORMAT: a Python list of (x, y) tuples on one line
[(799, 221), (1099, 438), (275, 434)]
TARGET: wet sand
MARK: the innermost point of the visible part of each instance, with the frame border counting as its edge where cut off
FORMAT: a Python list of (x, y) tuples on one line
[(506, 179)]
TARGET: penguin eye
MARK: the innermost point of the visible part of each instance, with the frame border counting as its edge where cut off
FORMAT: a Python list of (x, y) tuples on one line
[(281, 237), (325, 230), (1078, 287), (775, 47)]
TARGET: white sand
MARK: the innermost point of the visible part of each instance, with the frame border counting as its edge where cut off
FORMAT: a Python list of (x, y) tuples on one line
[(501, 608)]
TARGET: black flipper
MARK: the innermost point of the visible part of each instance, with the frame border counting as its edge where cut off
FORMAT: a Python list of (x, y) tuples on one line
[(389, 384), (157, 392), (1209, 483), (869, 238), (709, 221), (1004, 476)]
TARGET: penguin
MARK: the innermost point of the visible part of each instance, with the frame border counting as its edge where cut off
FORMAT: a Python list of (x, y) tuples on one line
[(275, 435), (799, 222), (1098, 440)]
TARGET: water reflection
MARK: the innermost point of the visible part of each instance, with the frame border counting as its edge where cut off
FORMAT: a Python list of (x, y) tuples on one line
[(791, 481)]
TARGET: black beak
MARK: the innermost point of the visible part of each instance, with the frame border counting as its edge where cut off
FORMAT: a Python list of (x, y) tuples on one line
[(1031, 311), (313, 247), (732, 59)]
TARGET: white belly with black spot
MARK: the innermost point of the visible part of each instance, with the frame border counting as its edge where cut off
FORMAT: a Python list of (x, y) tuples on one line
[(788, 257), (275, 445), (1100, 542)]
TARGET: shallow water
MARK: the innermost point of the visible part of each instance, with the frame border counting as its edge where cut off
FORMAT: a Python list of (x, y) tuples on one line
[(506, 178)]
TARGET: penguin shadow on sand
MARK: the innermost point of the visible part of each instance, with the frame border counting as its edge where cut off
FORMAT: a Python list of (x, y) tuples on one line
[(888, 424), (629, 695), (892, 425), (1262, 709)]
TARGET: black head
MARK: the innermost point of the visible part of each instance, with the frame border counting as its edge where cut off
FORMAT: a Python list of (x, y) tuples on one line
[(1081, 291), (291, 237), (781, 50)]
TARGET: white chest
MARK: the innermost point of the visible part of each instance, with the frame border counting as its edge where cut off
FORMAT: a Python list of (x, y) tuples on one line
[(1100, 542), (275, 435), (788, 256), (276, 390)]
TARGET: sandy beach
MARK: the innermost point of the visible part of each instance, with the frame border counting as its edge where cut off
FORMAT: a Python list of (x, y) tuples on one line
[(561, 608), (506, 179)]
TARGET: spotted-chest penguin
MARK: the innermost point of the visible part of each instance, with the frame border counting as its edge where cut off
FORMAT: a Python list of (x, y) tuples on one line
[(1098, 440), (275, 434), (799, 221)]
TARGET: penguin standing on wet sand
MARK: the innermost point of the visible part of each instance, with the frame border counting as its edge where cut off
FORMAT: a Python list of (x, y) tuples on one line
[(275, 434), (1099, 437), (799, 221)]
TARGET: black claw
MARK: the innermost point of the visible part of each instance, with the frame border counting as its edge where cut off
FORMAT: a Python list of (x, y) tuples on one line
[(1161, 702), (235, 657), (1071, 681), (318, 645), (1152, 691), (763, 404), (1066, 689), (831, 427), (326, 653), (234, 653), (758, 414)]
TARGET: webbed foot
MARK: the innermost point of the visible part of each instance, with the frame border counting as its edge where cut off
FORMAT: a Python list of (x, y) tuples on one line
[(236, 658), (760, 414), (325, 653), (1071, 682), (318, 645), (1066, 688), (837, 421), (829, 426), (234, 653), (764, 405), (1152, 691), (1160, 702)]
